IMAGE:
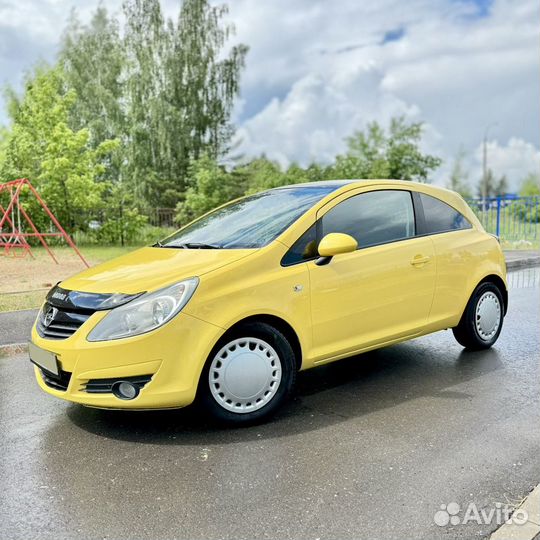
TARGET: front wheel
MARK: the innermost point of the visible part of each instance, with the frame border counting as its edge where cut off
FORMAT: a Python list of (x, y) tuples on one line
[(482, 321), (248, 375)]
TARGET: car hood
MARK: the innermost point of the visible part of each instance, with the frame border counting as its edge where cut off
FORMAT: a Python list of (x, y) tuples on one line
[(150, 268)]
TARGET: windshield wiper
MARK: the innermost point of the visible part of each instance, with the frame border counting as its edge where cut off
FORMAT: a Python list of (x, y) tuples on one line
[(188, 245), (199, 245)]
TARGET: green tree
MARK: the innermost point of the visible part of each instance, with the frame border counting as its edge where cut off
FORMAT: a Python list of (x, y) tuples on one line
[(164, 88), (93, 59), (261, 174), (530, 185), (59, 161), (4, 136), (210, 186), (316, 172), (120, 217), (459, 176), (207, 80), (295, 174), (146, 151), (180, 90), (395, 154), (495, 187)]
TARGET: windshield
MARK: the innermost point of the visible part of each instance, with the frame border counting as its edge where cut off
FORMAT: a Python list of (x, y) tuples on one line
[(251, 222)]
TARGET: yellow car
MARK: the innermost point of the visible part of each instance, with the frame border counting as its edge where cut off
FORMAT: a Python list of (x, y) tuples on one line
[(230, 307)]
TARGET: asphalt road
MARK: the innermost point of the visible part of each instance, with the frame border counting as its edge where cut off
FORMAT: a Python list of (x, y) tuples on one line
[(15, 326), (370, 448)]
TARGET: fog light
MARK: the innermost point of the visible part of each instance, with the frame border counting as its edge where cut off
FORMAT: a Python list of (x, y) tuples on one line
[(125, 390)]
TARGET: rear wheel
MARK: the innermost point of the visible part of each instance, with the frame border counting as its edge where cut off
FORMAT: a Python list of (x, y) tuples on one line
[(248, 375), (482, 320)]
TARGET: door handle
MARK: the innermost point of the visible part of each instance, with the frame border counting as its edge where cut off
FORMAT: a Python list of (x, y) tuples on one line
[(419, 260)]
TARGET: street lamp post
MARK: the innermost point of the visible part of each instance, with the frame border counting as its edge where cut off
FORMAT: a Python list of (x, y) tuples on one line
[(484, 164)]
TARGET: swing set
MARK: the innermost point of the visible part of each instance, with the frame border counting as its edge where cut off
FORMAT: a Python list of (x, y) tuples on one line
[(15, 220)]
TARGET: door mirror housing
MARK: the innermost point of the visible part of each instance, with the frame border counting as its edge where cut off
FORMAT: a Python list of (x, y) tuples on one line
[(334, 244)]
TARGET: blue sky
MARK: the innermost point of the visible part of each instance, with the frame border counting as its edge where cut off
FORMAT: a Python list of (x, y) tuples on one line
[(318, 70), (482, 7)]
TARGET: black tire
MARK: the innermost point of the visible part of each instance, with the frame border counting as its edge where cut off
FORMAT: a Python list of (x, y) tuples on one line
[(467, 332), (278, 342)]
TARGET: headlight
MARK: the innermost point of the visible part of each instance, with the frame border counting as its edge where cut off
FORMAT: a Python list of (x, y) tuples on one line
[(147, 312)]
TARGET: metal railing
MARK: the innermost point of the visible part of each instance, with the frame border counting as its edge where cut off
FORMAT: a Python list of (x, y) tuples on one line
[(162, 217), (510, 218)]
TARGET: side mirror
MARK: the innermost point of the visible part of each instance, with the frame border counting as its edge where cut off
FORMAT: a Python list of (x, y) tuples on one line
[(335, 244)]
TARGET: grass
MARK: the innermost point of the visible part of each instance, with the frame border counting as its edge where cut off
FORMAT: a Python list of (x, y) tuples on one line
[(25, 281), (12, 302), (525, 245), (514, 232)]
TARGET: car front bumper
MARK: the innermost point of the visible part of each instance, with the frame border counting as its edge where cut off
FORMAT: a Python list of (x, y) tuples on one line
[(171, 357)]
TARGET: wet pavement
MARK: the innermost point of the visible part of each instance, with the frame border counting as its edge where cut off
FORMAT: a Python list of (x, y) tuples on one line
[(15, 326), (371, 447)]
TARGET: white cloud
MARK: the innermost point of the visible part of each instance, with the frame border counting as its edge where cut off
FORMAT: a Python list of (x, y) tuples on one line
[(456, 71), (516, 160), (312, 120)]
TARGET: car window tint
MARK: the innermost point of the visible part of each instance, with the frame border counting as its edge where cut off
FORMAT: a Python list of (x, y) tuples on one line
[(304, 249), (373, 218), (441, 217)]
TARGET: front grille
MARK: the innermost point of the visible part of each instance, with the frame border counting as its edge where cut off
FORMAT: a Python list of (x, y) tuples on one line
[(104, 386), (57, 382), (55, 323)]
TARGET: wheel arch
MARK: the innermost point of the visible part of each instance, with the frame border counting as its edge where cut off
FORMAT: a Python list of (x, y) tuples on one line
[(501, 285), (279, 324), (489, 278)]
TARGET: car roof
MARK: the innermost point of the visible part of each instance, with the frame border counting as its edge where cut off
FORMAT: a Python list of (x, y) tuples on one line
[(321, 184), (334, 185)]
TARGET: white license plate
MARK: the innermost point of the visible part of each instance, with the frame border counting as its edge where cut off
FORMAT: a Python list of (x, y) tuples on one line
[(42, 358)]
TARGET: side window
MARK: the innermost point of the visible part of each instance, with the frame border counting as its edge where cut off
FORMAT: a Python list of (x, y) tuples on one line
[(373, 218), (441, 217), (304, 249)]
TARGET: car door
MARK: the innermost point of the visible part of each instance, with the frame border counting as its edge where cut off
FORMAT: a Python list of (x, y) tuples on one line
[(384, 289)]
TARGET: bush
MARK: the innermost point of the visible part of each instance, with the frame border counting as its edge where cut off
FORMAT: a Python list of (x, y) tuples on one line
[(144, 236)]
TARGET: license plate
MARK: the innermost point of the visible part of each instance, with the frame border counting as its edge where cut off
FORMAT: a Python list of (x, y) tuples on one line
[(43, 359)]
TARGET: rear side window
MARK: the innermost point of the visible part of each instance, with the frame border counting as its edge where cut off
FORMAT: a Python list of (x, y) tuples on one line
[(441, 217), (373, 218)]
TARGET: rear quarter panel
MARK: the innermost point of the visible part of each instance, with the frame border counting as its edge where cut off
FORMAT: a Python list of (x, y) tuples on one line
[(464, 258)]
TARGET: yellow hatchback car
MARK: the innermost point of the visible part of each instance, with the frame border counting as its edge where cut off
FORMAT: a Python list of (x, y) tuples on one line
[(229, 308)]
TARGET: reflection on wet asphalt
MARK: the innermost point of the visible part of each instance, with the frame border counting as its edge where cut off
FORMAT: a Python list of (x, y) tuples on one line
[(370, 447), (524, 279)]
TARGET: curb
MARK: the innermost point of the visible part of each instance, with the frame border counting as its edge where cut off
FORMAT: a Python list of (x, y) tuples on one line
[(531, 528), (18, 310), (523, 263), (27, 291)]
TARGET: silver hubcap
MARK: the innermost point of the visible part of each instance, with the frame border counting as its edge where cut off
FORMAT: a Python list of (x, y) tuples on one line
[(245, 375), (488, 316)]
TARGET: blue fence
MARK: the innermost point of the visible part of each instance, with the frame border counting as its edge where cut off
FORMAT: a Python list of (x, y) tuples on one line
[(509, 217)]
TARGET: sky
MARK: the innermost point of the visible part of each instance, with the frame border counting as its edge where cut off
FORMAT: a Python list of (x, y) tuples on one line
[(317, 70)]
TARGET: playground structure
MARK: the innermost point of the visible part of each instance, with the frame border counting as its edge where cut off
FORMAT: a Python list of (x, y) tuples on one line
[(15, 220)]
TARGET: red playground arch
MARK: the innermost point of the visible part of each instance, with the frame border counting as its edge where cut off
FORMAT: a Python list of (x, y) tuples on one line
[(15, 222)]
